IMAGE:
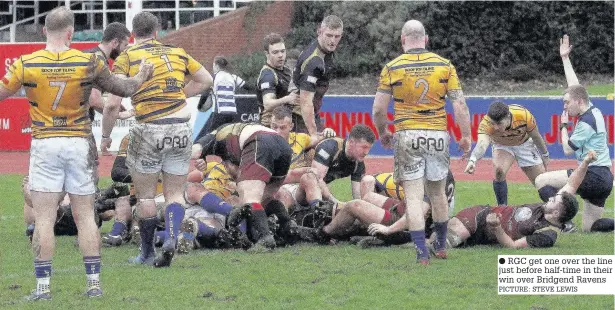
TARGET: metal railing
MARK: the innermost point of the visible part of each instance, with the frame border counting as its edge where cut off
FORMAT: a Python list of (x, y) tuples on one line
[(95, 7)]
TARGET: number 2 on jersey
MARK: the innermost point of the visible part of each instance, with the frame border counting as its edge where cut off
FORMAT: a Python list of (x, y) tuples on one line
[(62, 86), (167, 62), (422, 99)]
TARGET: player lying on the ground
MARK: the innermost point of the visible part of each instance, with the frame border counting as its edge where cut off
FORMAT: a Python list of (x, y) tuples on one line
[(589, 134), (258, 159), (514, 134), (383, 184), (380, 209), (529, 225)]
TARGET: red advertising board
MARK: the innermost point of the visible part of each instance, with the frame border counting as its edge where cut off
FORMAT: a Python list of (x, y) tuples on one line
[(9, 52), (15, 125)]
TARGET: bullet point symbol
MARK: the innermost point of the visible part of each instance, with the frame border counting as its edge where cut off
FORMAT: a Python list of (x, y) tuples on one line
[(502, 261)]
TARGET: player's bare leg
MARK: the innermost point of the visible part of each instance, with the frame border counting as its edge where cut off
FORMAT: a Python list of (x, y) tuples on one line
[(43, 242), (502, 161), (591, 213), (308, 187), (457, 233), (145, 191), (550, 182), (533, 171), (285, 197)]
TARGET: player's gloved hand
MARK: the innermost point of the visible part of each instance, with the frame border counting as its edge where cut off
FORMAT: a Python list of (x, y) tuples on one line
[(328, 133), (470, 167), (376, 228), (197, 151), (386, 139), (493, 219)]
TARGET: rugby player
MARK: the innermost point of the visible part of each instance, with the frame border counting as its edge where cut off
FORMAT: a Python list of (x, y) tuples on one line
[(336, 158), (419, 81), (589, 134), (301, 185), (384, 209), (58, 81), (273, 81), (513, 131), (258, 159), (313, 72), (161, 139), (530, 225)]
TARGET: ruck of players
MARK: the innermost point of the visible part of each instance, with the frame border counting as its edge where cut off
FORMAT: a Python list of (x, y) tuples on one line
[(257, 186)]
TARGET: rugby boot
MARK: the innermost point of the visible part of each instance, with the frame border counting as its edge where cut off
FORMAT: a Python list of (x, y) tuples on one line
[(185, 243), (264, 244), (168, 251), (140, 260), (238, 214), (421, 257), (45, 295), (223, 240), (437, 250), (94, 291)]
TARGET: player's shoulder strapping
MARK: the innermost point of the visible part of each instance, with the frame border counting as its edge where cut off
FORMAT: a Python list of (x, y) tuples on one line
[(267, 73), (328, 149)]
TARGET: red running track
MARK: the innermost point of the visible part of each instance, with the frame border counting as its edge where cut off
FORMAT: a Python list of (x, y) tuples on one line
[(17, 163)]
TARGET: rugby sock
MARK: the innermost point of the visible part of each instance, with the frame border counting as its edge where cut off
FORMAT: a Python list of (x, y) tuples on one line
[(42, 270), (173, 217), (418, 237), (119, 227), (206, 231), (147, 227), (92, 271), (260, 225), (214, 204), (441, 228), (547, 192), (501, 192), (602, 225)]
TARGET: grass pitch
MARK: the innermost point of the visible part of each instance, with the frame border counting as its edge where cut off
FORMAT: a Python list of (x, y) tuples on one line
[(298, 277)]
